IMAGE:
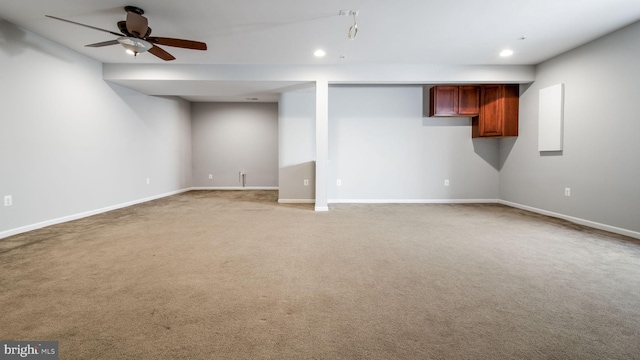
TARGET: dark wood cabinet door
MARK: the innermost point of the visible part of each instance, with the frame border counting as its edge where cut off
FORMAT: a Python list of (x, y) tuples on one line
[(469, 100), (444, 101), (492, 110), (498, 115)]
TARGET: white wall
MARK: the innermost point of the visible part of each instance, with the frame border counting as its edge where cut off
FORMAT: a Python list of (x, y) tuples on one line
[(73, 143), (383, 148), (229, 138), (601, 157)]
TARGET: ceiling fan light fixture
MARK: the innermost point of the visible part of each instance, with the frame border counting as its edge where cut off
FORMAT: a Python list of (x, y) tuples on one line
[(133, 45)]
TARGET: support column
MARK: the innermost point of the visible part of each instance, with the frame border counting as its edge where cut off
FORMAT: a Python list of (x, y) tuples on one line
[(322, 144)]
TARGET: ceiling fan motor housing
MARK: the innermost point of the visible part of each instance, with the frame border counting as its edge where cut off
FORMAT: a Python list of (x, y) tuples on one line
[(135, 36)]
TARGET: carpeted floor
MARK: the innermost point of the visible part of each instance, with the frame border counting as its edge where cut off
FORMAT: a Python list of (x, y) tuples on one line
[(234, 275)]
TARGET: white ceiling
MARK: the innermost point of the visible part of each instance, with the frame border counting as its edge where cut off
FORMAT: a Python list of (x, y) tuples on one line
[(287, 32)]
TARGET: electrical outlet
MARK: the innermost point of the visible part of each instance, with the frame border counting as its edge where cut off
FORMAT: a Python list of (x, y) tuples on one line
[(338, 182), (567, 191), (8, 200), (148, 181), (306, 182), (210, 176), (446, 182)]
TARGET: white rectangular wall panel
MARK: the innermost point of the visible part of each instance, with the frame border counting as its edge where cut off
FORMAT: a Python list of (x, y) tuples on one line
[(550, 118)]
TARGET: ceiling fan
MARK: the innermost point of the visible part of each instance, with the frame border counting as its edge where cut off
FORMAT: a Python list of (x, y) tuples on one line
[(135, 36)]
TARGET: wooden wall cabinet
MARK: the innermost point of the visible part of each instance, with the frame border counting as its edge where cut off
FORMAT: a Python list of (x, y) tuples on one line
[(454, 101), (498, 115), (469, 100)]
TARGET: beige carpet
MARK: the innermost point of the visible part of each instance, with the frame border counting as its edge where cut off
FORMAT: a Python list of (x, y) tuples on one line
[(234, 275)]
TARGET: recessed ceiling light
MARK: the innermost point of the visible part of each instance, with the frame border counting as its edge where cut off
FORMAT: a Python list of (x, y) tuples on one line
[(319, 53), (506, 53)]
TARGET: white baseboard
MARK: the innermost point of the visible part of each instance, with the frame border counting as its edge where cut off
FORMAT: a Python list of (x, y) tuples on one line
[(63, 219), (413, 201), (236, 188), (592, 224), (296, 201)]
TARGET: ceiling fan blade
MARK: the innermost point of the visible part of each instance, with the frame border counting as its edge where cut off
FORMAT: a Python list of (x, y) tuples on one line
[(104, 43), (186, 44), (87, 26), (161, 53), (137, 24)]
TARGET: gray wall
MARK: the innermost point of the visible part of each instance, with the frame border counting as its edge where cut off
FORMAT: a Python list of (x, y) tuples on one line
[(601, 157), (229, 138), (297, 147), (72, 143), (384, 148)]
